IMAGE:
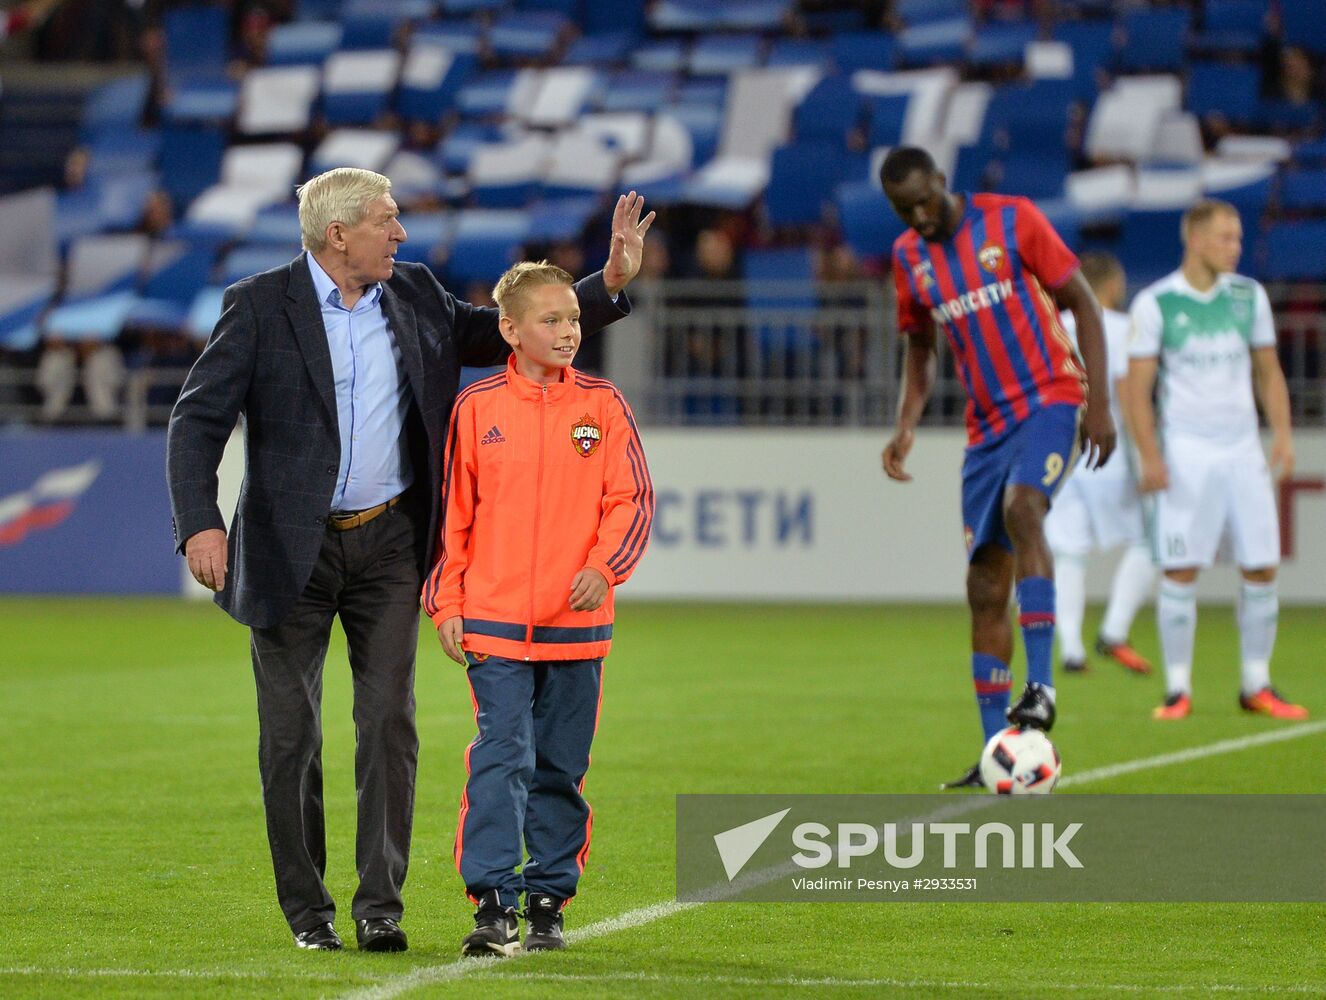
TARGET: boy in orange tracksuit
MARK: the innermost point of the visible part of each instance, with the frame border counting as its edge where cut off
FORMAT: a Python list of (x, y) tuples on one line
[(548, 505)]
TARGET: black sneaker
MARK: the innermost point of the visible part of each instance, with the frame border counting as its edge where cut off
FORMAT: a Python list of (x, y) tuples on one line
[(972, 779), (496, 931), (1034, 710), (543, 922), (1075, 666)]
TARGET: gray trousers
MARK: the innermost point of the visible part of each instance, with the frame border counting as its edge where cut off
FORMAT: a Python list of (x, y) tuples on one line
[(368, 576)]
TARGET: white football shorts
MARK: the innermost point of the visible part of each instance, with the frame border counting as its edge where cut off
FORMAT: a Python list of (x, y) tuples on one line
[(1220, 502), (1097, 509)]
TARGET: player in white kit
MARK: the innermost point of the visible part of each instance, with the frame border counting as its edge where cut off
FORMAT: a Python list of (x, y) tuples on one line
[(1209, 335), (1100, 509)]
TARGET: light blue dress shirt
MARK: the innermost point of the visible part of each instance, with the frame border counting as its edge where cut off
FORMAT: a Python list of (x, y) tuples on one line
[(372, 396)]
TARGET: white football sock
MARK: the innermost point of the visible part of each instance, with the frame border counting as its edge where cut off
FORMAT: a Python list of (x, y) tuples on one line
[(1070, 597), (1176, 614), (1258, 614), (1134, 580)]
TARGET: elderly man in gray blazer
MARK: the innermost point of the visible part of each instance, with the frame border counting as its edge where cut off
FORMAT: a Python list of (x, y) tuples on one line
[(344, 365)]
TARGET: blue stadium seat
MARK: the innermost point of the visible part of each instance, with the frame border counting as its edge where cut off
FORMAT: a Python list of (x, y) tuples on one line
[(1250, 200), (526, 34), (1304, 24), (799, 52), (471, 6), (1311, 152), (601, 49), (1033, 174), (887, 115), (1155, 39), (921, 11), (166, 297), (1031, 116), (613, 15), (705, 15), (1092, 43), (486, 94), (780, 289), (201, 99), (247, 260), (856, 50), (427, 234), (714, 54), (661, 56), (869, 223), (275, 224), (1304, 191), (1230, 26), (190, 161), (829, 111), (1149, 243), (457, 36), (1287, 117), (1293, 252), (704, 122), (430, 80), (119, 103), (937, 41), (711, 90), (486, 244), (302, 42), (801, 178), (197, 40), (999, 44), (560, 220), (1221, 88), (637, 90), (970, 168), (454, 150), (121, 149)]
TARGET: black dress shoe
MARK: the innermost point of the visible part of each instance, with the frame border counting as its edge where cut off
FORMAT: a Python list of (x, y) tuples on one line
[(380, 934), (320, 938)]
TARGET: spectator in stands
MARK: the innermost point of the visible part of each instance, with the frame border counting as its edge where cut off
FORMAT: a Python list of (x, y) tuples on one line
[(1296, 94), (21, 18)]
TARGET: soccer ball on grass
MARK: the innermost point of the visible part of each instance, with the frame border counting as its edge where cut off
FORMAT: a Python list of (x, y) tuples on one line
[(1020, 762)]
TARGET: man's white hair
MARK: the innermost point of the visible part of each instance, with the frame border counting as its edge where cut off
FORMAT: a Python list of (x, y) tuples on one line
[(340, 195)]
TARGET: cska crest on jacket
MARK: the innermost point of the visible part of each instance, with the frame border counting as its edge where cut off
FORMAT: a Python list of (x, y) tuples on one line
[(586, 435)]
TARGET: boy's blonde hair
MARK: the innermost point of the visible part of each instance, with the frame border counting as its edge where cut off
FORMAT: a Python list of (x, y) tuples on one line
[(1203, 212), (340, 195), (512, 290)]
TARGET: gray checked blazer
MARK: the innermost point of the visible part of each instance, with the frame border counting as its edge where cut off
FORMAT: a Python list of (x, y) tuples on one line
[(268, 360)]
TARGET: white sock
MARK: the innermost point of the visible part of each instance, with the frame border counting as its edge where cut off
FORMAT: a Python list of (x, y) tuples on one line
[(1070, 597), (1258, 613), (1134, 580), (1176, 614)]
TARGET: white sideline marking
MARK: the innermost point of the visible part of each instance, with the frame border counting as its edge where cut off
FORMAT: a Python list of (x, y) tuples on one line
[(905, 984), (659, 911), (117, 973), (1193, 753)]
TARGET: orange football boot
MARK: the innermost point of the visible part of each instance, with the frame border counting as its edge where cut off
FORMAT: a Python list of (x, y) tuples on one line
[(1177, 706), (1267, 701), (1124, 655)]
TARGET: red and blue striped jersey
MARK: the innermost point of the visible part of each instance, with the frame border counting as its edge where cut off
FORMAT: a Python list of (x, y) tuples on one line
[(989, 288)]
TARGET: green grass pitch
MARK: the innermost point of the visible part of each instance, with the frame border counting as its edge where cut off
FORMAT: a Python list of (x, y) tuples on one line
[(137, 864)]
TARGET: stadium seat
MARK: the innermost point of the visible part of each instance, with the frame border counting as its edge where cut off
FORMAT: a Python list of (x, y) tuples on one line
[(1092, 43), (461, 37), (303, 43), (1033, 174), (1293, 251), (939, 41), (558, 96), (1031, 117), (428, 234), (1177, 140), (526, 34), (197, 40), (1303, 23), (118, 104), (964, 119), (190, 161), (854, 50), (869, 223), (829, 111), (580, 163), (201, 99), (732, 15), (921, 11), (487, 94), (704, 123), (780, 293), (100, 276), (800, 52), (455, 150), (1224, 89), (430, 78), (508, 174), (356, 85), (660, 56), (660, 173), (277, 100), (1149, 242), (204, 312), (1000, 44), (245, 260), (252, 177), (369, 149), (887, 116), (415, 175), (175, 275), (1304, 191), (1230, 26), (718, 54), (1123, 122), (1155, 39), (275, 224), (599, 50), (560, 220), (1050, 61), (801, 179), (1161, 189), (485, 244), (637, 90)]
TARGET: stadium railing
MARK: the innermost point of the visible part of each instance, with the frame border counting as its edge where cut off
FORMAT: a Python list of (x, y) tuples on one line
[(754, 354)]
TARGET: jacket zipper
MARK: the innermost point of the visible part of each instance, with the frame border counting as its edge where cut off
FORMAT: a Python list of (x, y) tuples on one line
[(534, 552)]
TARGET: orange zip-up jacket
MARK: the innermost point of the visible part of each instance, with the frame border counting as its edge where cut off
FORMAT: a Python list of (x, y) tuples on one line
[(539, 482)]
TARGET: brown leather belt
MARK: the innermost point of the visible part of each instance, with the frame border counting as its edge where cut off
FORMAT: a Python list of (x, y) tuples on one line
[(346, 521)]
